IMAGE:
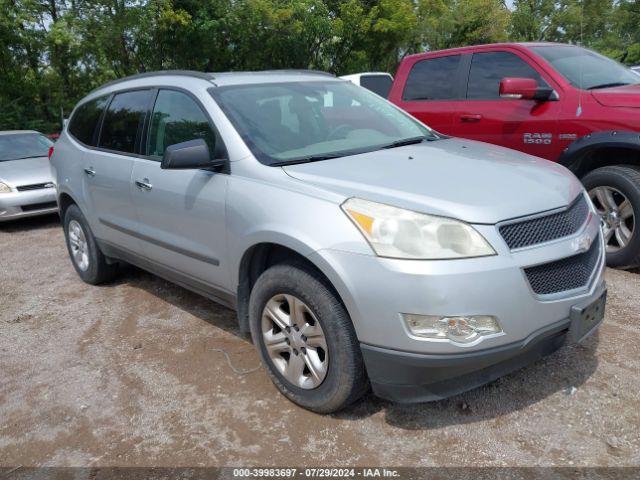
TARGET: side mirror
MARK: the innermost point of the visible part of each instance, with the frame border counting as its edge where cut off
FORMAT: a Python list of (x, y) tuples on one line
[(188, 155), (524, 88)]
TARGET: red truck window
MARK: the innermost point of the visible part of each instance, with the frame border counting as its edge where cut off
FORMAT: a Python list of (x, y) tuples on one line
[(487, 69), (432, 79)]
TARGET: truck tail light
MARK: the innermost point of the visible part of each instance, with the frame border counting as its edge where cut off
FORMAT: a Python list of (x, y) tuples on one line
[(50, 152)]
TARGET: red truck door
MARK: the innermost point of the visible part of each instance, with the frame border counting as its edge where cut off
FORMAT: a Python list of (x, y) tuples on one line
[(428, 88), (526, 125)]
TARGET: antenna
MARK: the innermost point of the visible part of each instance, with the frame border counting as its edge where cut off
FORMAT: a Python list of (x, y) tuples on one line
[(579, 109)]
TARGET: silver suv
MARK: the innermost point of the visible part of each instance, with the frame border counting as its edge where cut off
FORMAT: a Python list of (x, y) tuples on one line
[(359, 247)]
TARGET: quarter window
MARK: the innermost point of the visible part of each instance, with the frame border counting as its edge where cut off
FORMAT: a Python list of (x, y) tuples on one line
[(123, 120), (85, 119), (177, 118), (433, 79), (488, 69)]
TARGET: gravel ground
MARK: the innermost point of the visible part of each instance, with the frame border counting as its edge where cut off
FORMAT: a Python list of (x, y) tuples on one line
[(132, 374)]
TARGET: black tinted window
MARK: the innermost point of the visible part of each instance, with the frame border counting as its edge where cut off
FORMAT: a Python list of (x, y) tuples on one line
[(123, 120), (85, 119), (380, 84), (432, 79), (177, 118), (487, 69)]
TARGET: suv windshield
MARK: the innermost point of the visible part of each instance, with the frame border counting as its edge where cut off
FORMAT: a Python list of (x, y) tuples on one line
[(307, 121), (17, 146), (586, 69)]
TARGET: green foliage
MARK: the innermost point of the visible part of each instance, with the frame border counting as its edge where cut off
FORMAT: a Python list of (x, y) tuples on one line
[(52, 52)]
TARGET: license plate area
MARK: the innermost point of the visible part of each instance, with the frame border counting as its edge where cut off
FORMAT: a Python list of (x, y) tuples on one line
[(586, 317)]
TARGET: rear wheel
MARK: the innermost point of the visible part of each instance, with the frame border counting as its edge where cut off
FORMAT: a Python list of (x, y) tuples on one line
[(615, 192), (85, 254), (305, 339)]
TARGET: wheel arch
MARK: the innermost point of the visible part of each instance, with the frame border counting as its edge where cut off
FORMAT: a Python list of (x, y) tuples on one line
[(258, 258), (65, 200), (601, 149)]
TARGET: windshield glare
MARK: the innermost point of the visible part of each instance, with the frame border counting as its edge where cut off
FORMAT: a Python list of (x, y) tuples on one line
[(15, 146), (289, 122), (586, 69)]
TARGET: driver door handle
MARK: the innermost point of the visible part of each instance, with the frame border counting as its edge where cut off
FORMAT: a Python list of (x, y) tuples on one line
[(470, 117), (144, 184), (90, 172)]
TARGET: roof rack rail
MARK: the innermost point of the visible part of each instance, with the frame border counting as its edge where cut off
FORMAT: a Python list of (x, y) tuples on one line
[(271, 72), (299, 70), (184, 73)]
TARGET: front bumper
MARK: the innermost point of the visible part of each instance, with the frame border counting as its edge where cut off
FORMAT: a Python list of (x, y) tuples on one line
[(405, 377), (377, 291), (16, 205)]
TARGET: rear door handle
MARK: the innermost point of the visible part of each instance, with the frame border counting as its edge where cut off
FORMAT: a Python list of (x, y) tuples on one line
[(144, 184), (470, 117), (90, 172)]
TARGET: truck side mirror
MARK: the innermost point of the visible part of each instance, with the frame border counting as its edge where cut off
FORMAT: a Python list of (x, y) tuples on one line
[(524, 88)]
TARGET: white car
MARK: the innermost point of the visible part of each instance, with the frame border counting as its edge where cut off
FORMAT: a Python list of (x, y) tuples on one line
[(636, 69), (378, 82), (26, 185)]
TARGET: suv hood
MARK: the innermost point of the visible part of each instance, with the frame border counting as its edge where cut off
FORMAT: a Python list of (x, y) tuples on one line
[(26, 171), (627, 96), (463, 179)]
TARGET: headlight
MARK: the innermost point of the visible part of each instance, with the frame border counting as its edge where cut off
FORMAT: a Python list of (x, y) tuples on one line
[(4, 188), (398, 233)]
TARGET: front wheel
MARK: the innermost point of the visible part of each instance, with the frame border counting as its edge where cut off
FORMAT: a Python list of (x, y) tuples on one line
[(306, 339), (615, 192)]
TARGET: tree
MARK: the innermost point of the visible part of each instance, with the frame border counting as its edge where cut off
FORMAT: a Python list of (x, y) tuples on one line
[(52, 52), (532, 20), (455, 23)]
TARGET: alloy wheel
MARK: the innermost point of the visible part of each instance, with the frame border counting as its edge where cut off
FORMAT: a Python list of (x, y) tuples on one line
[(79, 246), (295, 341), (617, 215)]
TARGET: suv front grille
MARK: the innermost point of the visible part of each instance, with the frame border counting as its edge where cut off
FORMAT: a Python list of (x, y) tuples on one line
[(565, 274), (35, 186), (546, 228)]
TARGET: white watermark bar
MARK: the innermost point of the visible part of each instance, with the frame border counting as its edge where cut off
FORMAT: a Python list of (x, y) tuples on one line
[(340, 472)]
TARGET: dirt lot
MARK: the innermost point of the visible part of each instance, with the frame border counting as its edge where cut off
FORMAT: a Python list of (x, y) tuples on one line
[(129, 374)]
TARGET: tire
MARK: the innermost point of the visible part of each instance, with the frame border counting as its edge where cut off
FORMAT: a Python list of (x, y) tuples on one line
[(345, 379), (96, 270), (620, 181)]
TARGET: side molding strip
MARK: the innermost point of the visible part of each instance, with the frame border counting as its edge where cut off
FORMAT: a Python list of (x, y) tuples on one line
[(160, 243), (212, 292)]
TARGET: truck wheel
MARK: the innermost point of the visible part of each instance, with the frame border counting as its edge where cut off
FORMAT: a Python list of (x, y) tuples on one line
[(615, 192), (86, 257), (305, 339)]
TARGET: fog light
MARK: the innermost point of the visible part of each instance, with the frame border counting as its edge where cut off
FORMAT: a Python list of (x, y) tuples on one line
[(457, 329)]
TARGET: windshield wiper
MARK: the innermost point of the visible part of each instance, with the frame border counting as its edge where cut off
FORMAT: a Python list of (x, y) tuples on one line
[(328, 156), (307, 159), (405, 141), (608, 85), (30, 156)]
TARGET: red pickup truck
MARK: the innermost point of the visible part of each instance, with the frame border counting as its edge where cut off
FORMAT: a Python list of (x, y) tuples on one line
[(560, 102)]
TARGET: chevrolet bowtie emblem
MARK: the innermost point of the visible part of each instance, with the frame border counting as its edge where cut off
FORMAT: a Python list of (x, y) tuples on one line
[(582, 243)]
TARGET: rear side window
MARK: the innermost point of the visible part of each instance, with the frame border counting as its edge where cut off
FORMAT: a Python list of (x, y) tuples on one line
[(85, 120), (177, 118), (432, 79), (123, 121), (379, 84), (487, 69)]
